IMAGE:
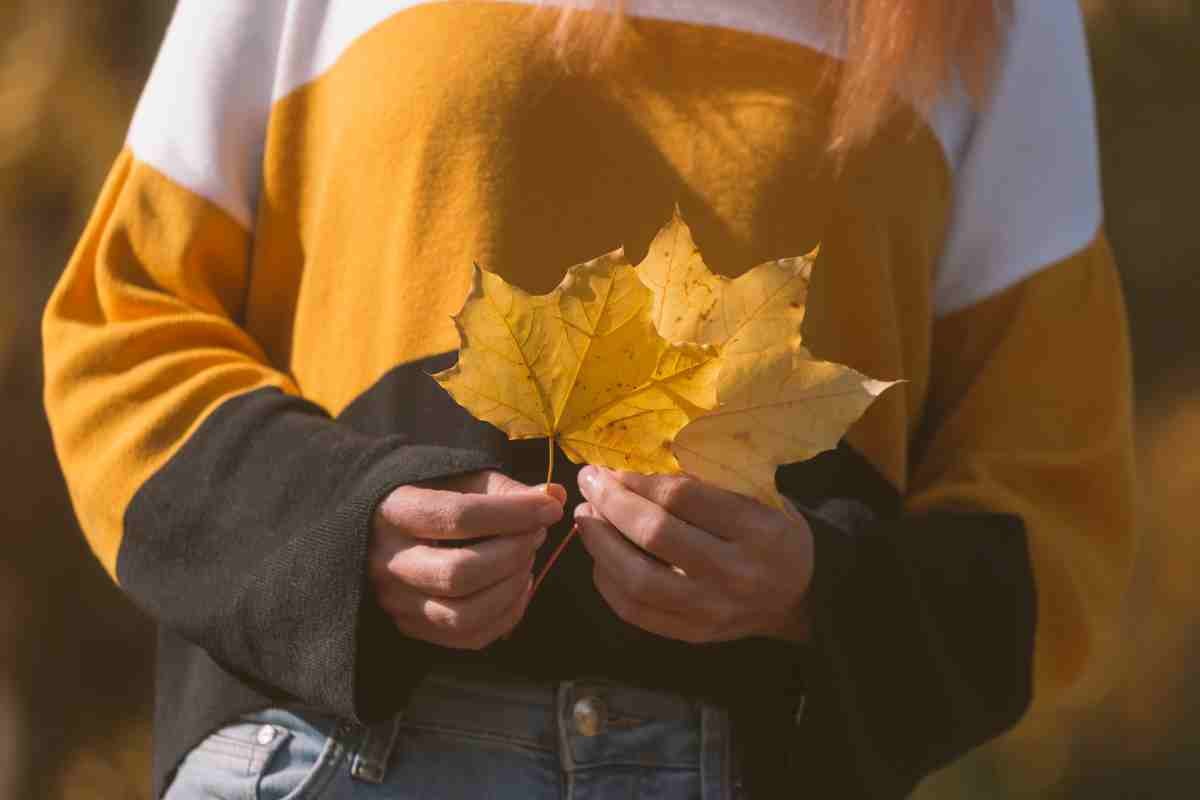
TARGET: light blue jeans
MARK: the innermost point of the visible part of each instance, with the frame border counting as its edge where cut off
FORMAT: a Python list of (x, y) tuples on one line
[(478, 740)]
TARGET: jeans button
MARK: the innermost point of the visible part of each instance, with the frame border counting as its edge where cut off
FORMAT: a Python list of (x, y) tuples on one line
[(588, 714)]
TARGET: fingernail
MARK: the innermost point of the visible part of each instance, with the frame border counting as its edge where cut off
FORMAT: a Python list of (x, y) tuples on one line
[(588, 476), (553, 492)]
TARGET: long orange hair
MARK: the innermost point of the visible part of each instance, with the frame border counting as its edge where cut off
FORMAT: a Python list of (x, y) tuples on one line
[(894, 48)]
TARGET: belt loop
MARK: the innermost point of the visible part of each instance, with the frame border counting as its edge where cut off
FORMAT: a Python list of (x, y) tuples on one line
[(370, 763), (565, 697), (716, 754)]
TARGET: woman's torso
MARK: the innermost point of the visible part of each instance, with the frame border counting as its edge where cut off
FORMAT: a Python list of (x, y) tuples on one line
[(450, 134)]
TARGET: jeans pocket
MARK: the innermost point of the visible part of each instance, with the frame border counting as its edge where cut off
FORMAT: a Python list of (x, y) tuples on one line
[(268, 755)]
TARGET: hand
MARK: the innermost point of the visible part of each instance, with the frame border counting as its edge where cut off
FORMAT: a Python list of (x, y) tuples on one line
[(464, 597), (708, 565)]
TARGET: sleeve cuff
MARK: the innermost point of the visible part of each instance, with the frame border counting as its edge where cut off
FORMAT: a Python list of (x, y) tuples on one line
[(386, 665), (252, 542), (921, 649)]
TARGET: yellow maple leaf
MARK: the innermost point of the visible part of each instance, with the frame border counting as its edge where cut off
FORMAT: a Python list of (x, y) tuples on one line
[(786, 410), (754, 316), (776, 404), (582, 365)]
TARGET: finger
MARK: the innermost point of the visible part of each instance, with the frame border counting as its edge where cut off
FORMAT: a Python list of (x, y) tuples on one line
[(422, 513), (648, 581), (720, 512), (460, 620), (555, 490), (505, 623), (463, 571), (655, 620), (651, 527), (492, 482), (502, 484), (501, 626)]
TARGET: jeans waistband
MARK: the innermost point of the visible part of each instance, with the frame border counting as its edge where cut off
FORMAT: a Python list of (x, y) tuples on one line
[(590, 722), (594, 730)]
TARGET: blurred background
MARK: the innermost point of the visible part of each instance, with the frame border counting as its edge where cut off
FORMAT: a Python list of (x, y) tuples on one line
[(76, 658)]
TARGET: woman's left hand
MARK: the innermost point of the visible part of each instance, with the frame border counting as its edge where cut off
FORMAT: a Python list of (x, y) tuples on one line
[(727, 566)]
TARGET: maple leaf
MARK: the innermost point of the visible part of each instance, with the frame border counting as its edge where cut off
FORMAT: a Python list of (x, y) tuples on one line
[(754, 316), (776, 404), (787, 410), (582, 365)]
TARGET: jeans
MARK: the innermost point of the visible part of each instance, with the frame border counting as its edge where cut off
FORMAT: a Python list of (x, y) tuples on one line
[(474, 738)]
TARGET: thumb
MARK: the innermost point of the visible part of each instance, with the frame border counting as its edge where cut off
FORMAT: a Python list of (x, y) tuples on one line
[(499, 483)]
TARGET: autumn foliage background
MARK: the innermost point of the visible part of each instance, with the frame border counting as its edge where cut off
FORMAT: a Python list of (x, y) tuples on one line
[(76, 658)]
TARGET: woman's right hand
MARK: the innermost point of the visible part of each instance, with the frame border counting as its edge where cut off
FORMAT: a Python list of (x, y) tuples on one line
[(464, 596)]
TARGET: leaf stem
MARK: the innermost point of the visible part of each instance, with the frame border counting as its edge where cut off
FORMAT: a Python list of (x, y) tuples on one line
[(550, 468), (553, 557)]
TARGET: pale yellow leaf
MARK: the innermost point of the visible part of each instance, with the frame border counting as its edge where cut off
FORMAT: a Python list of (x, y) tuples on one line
[(788, 409), (776, 405), (748, 317)]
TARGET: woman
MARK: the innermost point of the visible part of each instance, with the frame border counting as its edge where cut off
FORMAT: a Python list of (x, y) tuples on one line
[(237, 378)]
